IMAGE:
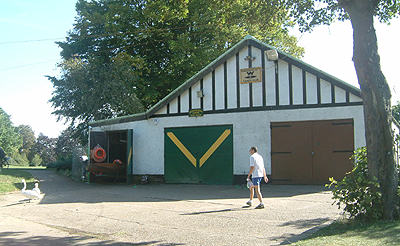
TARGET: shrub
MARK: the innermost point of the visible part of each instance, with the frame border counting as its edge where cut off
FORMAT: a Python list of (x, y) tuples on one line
[(36, 160), (61, 164), (360, 196), (18, 159)]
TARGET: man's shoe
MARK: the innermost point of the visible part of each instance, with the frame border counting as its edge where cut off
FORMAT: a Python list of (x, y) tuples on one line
[(260, 206), (249, 203)]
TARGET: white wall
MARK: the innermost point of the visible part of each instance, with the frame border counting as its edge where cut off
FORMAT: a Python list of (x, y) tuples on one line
[(249, 129)]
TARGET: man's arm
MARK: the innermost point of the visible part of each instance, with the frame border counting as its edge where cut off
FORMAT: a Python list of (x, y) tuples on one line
[(265, 176), (250, 172)]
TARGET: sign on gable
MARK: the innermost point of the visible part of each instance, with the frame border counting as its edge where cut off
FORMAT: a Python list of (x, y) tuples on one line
[(250, 75)]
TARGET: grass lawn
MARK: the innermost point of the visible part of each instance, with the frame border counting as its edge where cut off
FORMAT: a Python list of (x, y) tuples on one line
[(25, 167), (356, 233), (10, 179)]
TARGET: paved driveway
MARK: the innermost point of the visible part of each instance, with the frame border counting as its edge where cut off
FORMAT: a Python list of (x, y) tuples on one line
[(74, 213)]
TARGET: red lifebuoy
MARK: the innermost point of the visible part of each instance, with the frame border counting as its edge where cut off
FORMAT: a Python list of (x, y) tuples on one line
[(98, 154)]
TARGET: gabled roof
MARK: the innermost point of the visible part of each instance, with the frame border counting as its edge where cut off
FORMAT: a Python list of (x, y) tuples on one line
[(248, 40)]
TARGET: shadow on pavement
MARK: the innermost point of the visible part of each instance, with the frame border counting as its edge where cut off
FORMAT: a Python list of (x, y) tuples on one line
[(60, 189), (14, 239), (315, 225)]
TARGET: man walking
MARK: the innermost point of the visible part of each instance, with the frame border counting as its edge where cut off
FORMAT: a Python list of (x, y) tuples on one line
[(257, 171)]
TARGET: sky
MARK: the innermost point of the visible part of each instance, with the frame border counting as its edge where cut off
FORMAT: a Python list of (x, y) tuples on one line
[(29, 30)]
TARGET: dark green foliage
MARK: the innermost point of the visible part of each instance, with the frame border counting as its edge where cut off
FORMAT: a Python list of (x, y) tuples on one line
[(396, 112), (28, 139), (67, 144), (123, 56), (357, 194), (310, 13), (10, 140), (61, 164), (45, 148)]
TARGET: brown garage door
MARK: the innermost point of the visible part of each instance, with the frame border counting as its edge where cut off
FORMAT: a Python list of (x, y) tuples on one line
[(309, 152)]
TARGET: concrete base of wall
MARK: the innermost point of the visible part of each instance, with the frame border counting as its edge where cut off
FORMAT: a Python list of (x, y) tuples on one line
[(159, 179), (146, 179)]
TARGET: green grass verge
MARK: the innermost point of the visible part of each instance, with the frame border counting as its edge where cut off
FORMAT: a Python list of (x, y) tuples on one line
[(10, 180), (356, 233), (25, 167)]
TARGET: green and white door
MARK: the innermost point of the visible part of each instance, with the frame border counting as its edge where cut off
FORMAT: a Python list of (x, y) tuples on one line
[(199, 155)]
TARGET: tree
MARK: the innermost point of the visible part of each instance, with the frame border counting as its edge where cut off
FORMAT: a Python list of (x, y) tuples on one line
[(10, 141), (123, 56), (45, 148), (396, 112), (28, 139), (375, 91), (36, 160), (66, 145)]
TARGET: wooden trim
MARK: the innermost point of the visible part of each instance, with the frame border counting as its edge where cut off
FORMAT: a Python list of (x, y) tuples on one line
[(250, 84), (268, 108), (225, 85), (276, 83), (201, 98), (237, 81), (213, 90), (179, 103), (290, 84), (318, 90), (304, 87), (264, 98), (190, 98)]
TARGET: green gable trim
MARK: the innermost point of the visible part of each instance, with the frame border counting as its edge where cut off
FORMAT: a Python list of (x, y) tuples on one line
[(122, 119)]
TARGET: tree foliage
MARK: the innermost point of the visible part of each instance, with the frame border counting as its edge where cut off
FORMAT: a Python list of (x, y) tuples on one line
[(44, 147), (28, 138), (123, 56), (396, 112), (310, 13), (67, 145), (10, 140)]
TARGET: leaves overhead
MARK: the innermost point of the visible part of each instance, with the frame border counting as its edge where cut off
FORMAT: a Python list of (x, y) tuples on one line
[(309, 13), (123, 56)]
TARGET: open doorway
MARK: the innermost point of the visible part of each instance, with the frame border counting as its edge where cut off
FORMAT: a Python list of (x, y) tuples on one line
[(108, 156)]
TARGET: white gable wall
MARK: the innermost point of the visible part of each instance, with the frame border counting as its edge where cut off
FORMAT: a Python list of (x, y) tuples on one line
[(291, 88)]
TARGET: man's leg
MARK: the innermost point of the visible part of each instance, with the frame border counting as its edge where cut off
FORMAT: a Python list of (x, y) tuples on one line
[(258, 192), (249, 203)]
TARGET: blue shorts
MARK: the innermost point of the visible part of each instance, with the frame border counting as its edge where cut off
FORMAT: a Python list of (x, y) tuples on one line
[(256, 181)]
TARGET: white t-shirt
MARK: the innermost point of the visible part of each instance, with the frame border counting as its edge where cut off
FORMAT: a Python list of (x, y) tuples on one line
[(257, 161)]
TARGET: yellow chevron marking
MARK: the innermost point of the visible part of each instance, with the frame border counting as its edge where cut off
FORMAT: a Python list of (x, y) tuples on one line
[(214, 147), (180, 146), (129, 156)]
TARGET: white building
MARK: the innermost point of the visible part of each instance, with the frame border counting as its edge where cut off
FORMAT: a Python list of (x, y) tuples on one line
[(305, 123)]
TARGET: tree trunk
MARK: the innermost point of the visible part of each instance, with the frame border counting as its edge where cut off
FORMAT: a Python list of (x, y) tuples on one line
[(376, 96)]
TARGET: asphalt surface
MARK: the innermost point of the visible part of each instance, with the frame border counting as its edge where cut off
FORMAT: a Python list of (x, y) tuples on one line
[(72, 213)]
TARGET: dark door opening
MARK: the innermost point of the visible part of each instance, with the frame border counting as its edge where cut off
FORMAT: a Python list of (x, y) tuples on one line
[(109, 164)]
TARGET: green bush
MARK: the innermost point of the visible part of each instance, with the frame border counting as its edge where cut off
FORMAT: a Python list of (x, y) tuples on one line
[(61, 164), (18, 159), (357, 193), (36, 160)]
